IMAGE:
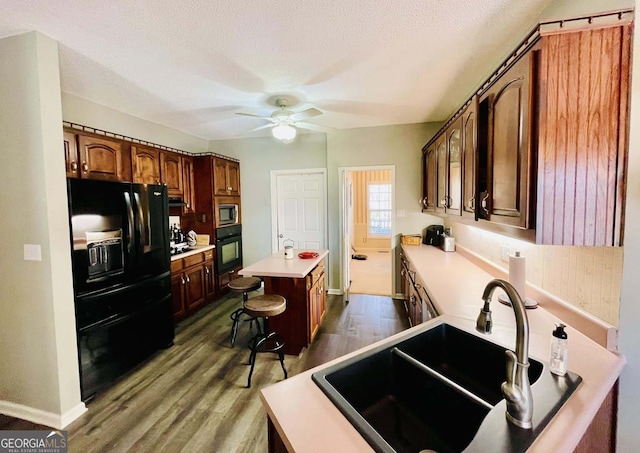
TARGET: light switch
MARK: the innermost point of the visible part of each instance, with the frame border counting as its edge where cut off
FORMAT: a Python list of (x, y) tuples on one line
[(400, 213), (32, 252)]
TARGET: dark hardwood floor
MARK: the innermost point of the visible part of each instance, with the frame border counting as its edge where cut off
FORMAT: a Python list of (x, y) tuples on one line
[(192, 396)]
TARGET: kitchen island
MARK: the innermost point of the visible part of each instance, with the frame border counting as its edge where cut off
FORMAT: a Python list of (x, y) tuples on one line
[(455, 286), (302, 283)]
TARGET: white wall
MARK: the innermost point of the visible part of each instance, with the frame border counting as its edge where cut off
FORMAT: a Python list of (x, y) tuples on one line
[(87, 113), (258, 157), (629, 404), (39, 377), (398, 145)]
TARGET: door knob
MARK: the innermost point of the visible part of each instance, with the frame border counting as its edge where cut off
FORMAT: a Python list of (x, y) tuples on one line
[(280, 236)]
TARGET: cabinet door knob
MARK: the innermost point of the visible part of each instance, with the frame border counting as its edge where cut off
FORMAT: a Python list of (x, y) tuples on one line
[(188, 280), (206, 269), (182, 279), (472, 203), (74, 166), (85, 167)]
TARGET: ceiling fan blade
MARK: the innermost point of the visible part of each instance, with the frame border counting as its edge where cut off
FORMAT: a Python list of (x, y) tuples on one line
[(266, 126), (252, 115), (314, 127), (308, 113)]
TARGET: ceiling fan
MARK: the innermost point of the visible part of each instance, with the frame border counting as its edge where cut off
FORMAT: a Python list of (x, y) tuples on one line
[(284, 122)]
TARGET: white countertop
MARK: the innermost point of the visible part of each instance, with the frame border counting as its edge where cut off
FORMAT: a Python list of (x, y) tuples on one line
[(192, 251), (276, 266), (308, 421)]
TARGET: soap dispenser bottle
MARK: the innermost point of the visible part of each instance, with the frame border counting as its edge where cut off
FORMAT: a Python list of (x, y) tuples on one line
[(558, 359)]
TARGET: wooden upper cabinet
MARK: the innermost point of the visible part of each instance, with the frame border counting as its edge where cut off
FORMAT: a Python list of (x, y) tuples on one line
[(453, 197), (233, 171), (441, 173), (71, 155), (429, 179), (509, 102), (226, 177), (469, 159), (583, 136), (146, 165), (432, 178), (100, 158), (188, 184), (171, 172)]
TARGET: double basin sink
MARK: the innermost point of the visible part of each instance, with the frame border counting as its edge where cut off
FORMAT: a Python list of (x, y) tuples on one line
[(439, 390)]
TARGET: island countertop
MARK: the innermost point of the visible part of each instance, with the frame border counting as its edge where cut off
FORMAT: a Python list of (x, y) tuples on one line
[(307, 421), (276, 266)]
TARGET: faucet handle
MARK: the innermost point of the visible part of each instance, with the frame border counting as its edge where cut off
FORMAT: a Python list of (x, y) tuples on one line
[(484, 322)]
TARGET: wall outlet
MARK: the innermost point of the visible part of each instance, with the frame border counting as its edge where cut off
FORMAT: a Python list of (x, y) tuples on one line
[(32, 252), (505, 251)]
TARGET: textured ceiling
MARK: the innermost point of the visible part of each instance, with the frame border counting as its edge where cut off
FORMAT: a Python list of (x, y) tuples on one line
[(191, 65)]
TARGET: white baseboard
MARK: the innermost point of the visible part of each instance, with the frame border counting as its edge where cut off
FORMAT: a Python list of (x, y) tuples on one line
[(58, 421), (335, 292), (399, 296)]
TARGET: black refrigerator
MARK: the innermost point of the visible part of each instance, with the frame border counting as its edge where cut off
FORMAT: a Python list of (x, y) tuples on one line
[(121, 277)]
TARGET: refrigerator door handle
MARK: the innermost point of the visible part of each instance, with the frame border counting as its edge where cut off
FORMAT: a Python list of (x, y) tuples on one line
[(127, 200), (139, 223)]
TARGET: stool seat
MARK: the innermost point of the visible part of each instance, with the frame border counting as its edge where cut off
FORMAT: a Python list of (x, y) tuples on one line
[(265, 305), (245, 284)]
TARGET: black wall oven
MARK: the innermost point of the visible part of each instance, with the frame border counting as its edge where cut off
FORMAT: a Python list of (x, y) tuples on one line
[(228, 248)]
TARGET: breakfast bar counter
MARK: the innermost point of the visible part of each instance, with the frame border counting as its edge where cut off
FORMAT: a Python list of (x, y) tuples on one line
[(302, 283), (302, 419)]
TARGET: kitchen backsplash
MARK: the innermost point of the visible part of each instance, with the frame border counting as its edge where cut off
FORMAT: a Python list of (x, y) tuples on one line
[(586, 277)]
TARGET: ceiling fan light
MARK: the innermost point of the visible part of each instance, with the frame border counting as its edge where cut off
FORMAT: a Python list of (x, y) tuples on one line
[(284, 132)]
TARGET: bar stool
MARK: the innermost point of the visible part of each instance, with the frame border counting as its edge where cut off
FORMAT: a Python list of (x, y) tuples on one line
[(243, 285), (264, 306)]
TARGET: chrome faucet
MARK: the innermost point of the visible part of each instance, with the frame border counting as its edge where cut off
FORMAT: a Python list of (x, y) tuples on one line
[(516, 389)]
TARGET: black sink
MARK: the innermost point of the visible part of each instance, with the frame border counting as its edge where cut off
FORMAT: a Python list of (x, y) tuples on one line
[(438, 390)]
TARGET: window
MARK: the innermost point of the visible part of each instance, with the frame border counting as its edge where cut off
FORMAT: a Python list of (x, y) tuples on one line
[(379, 205)]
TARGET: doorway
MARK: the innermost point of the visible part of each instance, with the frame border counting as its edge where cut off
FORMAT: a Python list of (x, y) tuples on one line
[(299, 208), (367, 206)]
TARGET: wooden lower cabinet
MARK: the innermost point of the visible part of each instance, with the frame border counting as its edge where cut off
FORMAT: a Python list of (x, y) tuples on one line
[(192, 283), (601, 433), (317, 304), (275, 443), (306, 305), (210, 280), (224, 278)]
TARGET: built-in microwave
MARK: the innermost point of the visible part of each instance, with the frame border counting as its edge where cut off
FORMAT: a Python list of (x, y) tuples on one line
[(227, 214)]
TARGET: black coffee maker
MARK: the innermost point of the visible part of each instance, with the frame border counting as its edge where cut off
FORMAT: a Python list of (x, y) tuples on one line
[(433, 235)]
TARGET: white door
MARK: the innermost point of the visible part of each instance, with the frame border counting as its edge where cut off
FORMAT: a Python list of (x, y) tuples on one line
[(301, 207)]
